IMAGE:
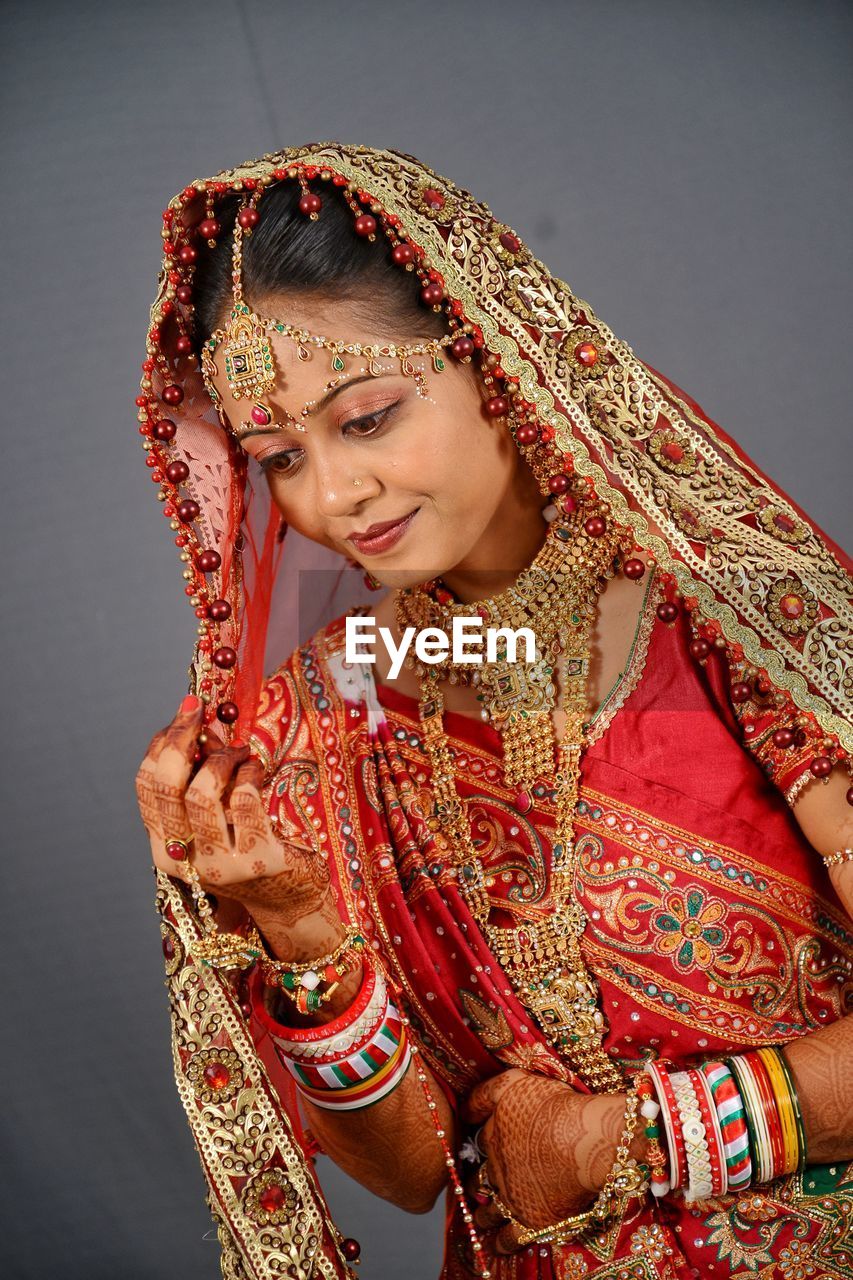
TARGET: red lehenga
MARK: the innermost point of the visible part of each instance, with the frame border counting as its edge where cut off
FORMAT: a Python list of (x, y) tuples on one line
[(713, 926)]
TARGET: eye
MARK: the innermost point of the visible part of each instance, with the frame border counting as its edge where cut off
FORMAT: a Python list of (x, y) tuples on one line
[(369, 423), (281, 463)]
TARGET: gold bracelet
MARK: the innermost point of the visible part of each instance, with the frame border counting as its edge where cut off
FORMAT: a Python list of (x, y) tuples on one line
[(300, 980), (840, 855)]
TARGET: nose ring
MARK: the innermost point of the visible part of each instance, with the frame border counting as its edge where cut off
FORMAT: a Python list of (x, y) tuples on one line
[(357, 482)]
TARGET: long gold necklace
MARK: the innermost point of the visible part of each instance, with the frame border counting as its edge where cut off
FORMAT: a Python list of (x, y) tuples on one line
[(557, 597)]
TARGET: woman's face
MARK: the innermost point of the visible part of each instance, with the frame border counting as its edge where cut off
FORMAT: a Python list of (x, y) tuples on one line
[(409, 486)]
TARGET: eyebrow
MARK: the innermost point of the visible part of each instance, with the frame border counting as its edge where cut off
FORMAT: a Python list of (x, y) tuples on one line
[(321, 404)]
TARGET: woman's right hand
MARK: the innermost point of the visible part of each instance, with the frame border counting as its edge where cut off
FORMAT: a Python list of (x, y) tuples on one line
[(215, 806)]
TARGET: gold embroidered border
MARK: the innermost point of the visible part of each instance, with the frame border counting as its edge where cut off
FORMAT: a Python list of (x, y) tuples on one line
[(235, 1139)]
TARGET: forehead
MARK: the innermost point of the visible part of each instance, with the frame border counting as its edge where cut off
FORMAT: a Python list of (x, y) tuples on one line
[(301, 365)]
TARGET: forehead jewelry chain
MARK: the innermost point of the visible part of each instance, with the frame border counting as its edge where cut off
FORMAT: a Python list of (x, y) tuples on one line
[(247, 353)]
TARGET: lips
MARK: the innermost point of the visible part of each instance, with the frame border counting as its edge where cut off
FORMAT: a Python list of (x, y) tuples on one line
[(380, 537)]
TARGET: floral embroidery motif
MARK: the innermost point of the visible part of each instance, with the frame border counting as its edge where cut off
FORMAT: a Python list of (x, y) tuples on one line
[(216, 1075), (651, 1242), (791, 607), (780, 524), (437, 205), (586, 352), (794, 1260), (571, 1266), (691, 928), (508, 246), (672, 452), (693, 525), (270, 1198)]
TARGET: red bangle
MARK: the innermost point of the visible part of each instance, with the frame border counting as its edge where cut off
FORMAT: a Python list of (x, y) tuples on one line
[(714, 1138), (767, 1097), (678, 1154), (308, 1035)]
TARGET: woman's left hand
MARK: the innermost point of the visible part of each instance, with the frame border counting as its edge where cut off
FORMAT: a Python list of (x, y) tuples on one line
[(548, 1148)]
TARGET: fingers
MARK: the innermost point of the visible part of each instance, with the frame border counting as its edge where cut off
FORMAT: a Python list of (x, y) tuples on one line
[(506, 1241), (203, 800), (484, 1097), (172, 768), (488, 1215), (253, 835)]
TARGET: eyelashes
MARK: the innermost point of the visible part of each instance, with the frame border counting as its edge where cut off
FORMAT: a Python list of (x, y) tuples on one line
[(286, 461)]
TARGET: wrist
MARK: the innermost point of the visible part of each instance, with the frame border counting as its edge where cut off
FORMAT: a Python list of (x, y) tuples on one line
[(607, 1117), (311, 935), (285, 1012)]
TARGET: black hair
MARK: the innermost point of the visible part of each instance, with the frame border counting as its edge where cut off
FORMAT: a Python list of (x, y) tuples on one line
[(287, 253)]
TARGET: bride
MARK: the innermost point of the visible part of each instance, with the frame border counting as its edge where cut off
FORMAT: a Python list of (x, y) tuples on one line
[(567, 940)]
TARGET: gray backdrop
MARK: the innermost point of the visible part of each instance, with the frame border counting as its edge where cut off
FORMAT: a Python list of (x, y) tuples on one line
[(685, 166)]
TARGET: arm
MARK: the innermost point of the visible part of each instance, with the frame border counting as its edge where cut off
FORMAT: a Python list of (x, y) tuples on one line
[(286, 891), (391, 1146), (820, 1062)]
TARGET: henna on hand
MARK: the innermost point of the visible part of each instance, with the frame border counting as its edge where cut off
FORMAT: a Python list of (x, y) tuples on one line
[(820, 1066), (549, 1148)]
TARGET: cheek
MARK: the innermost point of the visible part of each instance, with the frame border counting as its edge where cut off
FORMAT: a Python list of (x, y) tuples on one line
[(299, 514)]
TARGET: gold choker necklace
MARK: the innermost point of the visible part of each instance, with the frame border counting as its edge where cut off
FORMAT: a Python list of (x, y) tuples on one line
[(556, 597)]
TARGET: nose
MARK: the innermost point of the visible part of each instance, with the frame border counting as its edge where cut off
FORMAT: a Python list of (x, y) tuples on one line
[(342, 486)]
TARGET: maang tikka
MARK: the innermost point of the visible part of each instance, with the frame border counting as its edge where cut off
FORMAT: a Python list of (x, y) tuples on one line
[(250, 367)]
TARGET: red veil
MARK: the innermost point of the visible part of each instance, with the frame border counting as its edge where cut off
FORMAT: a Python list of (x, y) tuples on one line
[(755, 576)]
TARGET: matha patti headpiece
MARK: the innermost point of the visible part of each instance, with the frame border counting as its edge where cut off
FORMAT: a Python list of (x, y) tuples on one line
[(247, 352)]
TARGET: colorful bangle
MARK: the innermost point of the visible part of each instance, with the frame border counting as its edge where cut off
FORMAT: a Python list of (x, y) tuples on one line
[(713, 1134), (355, 1060), (771, 1114), (759, 1138), (732, 1120), (779, 1079), (695, 1137), (358, 1079), (342, 1023), (364, 1022), (671, 1124), (795, 1103)]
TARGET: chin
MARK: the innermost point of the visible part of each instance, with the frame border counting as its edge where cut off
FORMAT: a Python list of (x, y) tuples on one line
[(399, 579)]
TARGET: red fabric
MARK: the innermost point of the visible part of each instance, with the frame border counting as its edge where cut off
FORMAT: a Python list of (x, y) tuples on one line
[(704, 902)]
